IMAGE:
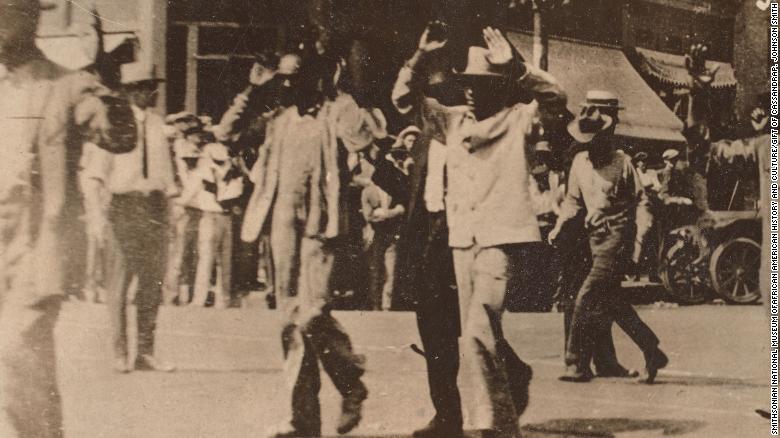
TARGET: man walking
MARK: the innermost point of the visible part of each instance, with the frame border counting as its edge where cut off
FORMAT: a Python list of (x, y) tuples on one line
[(426, 273), (41, 105), (603, 180), (297, 195), (488, 205), (139, 182)]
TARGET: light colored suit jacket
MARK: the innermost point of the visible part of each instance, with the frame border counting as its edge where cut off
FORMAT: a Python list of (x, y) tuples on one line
[(342, 121), (488, 197)]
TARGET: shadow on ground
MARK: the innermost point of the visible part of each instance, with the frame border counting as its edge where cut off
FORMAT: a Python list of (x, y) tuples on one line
[(608, 427), (588, 427)]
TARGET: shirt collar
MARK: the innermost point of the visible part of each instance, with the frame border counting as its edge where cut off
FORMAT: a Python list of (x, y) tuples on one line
[(140, 115)]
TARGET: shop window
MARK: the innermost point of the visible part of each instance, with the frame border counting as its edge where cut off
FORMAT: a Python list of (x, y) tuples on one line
[(646, 38)]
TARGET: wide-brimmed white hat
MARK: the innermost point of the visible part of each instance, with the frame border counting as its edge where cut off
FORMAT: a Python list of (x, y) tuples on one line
[(135, 72), (478, 64)]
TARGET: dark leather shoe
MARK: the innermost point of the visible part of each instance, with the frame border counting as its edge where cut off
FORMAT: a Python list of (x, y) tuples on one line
[(351, 408), (291, 434), (574, 374), (120, 365), (654, 361), (437, 429), (618, 372), (147, 362), (287, 431)]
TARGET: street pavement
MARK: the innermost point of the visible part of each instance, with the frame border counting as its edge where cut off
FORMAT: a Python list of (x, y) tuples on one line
[(229, 378)]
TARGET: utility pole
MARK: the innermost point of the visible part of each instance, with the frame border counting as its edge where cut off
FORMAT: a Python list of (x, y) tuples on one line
[(542, 9)]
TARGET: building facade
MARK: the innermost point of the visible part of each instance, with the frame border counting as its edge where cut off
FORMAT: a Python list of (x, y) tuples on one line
[(205, 46)]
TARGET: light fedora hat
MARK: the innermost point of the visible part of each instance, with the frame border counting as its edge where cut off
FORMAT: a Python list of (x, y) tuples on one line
[(593, 98), (478, 64), (135, 72)]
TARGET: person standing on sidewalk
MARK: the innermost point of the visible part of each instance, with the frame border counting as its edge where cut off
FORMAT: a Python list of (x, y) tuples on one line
[(221, 184), (139, 182), (184, 214), (489, 211), (384, 203), (603, 181)]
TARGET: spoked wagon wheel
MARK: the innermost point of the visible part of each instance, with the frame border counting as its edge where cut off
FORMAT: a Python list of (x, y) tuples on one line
[(681, 278), (734, 270)]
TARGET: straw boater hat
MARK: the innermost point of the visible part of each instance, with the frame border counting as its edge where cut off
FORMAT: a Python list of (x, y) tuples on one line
[(670, 154), (598, 99), (137, 72), (640, 156), (399, 140)]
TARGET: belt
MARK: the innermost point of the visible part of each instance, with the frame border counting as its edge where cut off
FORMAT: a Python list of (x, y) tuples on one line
[(608, 224)]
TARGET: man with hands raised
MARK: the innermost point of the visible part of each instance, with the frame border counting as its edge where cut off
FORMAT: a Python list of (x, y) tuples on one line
[(488, 206)]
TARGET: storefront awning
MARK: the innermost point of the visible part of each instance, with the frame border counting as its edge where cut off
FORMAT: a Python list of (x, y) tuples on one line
[(580, 67), (68, 51), (670, 69)]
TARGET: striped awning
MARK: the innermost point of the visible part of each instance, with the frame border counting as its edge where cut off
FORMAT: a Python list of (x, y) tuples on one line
[(580, 67), (670, 69)]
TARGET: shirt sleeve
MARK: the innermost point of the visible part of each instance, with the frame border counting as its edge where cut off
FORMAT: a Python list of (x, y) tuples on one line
[(168, 176), (98, 166), (52, 144), (572, 201), (404, 92), (358, 127), (635, 184), (544, 87), (408, 99)]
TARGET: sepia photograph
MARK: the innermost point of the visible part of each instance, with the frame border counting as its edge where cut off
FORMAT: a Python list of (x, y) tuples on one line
[(389, 218)]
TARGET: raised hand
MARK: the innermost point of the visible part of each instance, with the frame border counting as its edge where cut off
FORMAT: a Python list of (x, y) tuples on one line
[(427, 44), (758, 118), (500, 52), (696, 64), (260, 74)]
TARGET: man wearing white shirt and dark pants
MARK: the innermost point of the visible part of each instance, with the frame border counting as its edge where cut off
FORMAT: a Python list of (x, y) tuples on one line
[(139, 182), (221, 183)]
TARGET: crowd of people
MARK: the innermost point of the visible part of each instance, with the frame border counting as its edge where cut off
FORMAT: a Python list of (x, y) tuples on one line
[(299, 180), (213, 183), (207, 264)]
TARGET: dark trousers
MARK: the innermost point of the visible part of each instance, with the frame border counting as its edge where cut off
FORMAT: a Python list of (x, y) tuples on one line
[(599, 301), (138, 223), (438, 321), (575, 263), (381, 265), (303, 268)]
